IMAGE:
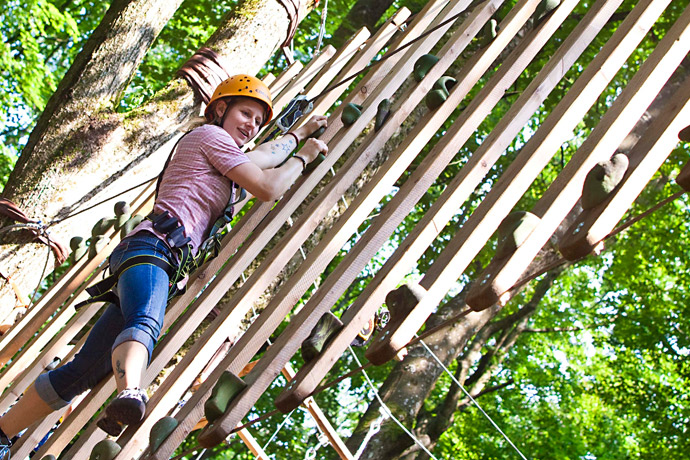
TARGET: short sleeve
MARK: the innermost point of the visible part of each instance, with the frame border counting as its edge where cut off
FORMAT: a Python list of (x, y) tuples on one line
[(221, 150)]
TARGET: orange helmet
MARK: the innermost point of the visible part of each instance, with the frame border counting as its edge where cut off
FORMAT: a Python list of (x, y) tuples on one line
[(242, 85)]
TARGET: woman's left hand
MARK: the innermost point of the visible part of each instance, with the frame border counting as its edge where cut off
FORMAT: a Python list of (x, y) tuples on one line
[(314, 123)]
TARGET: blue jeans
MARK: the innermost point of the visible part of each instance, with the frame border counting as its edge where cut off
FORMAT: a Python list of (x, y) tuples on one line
[(143, 293)]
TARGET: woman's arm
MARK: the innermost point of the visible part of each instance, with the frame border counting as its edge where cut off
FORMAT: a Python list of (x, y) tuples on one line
[(271, 184), (273, 153)]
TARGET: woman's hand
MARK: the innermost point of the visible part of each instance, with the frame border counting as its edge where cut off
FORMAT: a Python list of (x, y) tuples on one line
[(311, 149), (314, 123)]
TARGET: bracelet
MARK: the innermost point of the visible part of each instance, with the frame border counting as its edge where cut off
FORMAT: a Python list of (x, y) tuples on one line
[(304, 162), (293, 135)]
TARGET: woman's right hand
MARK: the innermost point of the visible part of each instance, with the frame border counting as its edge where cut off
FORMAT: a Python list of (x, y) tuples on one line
[(311, 149)]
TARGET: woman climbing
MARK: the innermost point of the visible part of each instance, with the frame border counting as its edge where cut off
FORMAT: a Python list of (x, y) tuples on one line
[(198, 185)]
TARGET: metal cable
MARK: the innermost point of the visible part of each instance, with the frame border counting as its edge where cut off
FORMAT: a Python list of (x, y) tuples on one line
[(387, 410), (471, 398)]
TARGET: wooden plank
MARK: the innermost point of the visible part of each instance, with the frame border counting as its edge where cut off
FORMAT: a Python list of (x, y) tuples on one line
[(297, 196), (564, 192), (21, 333), (171, 343), (285, 77), (646, 157), (406, 255), (265, 324), (476, 231)]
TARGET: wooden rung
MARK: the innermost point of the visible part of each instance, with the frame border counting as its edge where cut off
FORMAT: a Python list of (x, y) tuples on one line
[(646, 157), (494, 284), (312, 373)]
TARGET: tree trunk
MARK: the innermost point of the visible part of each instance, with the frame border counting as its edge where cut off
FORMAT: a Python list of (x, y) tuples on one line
[(81, 146)]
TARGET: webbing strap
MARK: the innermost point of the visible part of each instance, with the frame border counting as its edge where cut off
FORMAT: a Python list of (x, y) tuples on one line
[(103, 290)]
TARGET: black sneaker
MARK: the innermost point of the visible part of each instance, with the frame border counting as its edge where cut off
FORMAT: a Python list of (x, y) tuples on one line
[(128, 407), (109, 425)]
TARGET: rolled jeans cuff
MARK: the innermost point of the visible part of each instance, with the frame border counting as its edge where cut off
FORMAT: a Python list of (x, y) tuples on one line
[(137, 335), (47, 392)]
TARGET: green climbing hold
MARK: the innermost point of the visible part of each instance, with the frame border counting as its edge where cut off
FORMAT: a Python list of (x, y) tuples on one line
[(121, 214), (227, 387), (423, 65), (96, 244), (76, 242), (312, 166), (602, 180), (684, 134), (105, 450), (121, 208), (160, 431), (102, 226), (130, 224), (78, 247), (382, 113), (325, 328), (489, 32), (351, 113), (316, 134), (440, 92), (544, 8), (513, 231)]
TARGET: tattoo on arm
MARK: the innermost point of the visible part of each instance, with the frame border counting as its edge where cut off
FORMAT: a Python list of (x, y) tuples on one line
[(119, 370)]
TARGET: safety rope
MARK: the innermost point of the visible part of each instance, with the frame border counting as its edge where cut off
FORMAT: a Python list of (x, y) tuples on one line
[(474, 401), (275, 433), (388, 411), (322, 30), (69, 216)]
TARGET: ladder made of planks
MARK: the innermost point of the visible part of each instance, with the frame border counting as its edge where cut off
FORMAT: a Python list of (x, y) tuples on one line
[(519, 40)]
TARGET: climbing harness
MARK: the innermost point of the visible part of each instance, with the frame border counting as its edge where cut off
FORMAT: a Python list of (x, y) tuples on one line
[(175, 238)]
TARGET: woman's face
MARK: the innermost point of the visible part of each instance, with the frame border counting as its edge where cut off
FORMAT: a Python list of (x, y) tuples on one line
[(243, 119)]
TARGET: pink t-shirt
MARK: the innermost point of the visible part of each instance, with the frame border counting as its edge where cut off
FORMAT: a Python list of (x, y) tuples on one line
[(194, 187)]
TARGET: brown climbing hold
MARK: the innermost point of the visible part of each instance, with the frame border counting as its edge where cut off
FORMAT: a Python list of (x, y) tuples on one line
[(227, 387), (684, 134), (325, 328), (602, 180), (513, 231), (401, 302)]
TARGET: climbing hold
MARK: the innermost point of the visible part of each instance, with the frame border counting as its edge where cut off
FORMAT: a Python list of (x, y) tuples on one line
[(121, 213), (130, 224), (160, 431), (49, 457), (401, 302), (97, 243), (227, 387), (513, 231), (602, 180), (489, 32), (102, 226), (382, 113), (423, 65), (105, 450), (76, 242), (78, 247), (312, 166), (544, 8), (684, 134), (121, 208), (351, 113), (316, 134), (325, 328), (440, 92)]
